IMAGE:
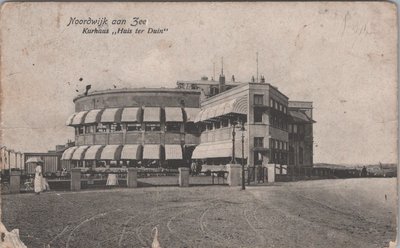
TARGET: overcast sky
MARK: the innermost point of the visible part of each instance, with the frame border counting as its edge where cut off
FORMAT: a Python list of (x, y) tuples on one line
[(341, 56)]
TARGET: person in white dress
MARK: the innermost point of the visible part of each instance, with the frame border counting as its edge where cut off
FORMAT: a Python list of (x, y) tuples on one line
[(38, 182)]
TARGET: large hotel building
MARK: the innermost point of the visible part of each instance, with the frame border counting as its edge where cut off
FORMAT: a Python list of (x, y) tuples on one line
[(193, 122)]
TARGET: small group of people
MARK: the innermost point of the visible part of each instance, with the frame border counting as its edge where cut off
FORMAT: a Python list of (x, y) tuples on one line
[(195, 168)]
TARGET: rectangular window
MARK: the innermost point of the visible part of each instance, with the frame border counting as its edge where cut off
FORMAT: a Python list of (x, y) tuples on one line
[(258, 99), (276, 105), (284, 109), (300, 155), (133, 127), (217, 125), (89, 129), (101, 128), (258, 113), (115, 127), (271, 102), (209, 126), (173, 127), (290, 128), (294, 128), (258, 142), (152, 127), (79, 130), (224, 122)]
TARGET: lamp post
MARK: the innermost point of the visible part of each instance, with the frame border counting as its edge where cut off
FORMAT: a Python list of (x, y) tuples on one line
[(243, 181), (233, 161)]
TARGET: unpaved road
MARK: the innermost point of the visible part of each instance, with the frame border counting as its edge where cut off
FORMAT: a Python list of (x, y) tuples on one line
[(323, 213)]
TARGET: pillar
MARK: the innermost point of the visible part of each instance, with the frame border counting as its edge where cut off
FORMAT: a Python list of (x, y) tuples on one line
[(183, 177), (15, 182), (271, 173), (75, 179), (131, 178), (234, 174)]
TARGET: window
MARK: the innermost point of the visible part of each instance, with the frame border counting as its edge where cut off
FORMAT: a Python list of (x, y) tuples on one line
[(258, 142), (173, 127), (115, 127), (258, 113), (290, 128), (217, 125), (294, 128), (258, 99), (79, 130), (152, 127), (275, 105), (301, 129), (209, 126), (133, 127), (271, 143), (89, 129), (284, 109), (271, 102), (291, 155), (224, 122), (300, 155), (101, 128)]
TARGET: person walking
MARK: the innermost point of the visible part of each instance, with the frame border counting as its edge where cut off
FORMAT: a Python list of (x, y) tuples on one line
[(38, 182)]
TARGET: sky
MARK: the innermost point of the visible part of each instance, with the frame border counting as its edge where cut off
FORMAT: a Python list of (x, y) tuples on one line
[(341, 56)]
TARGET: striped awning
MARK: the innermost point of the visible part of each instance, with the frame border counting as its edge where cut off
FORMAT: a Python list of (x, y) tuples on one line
[(219, 150), (151, 114), (78, 118), (237, 105), (110, 115), (93, 152), (173, 152), (130, 115), (151, 152), (69, 120), (92, 116), (67, 154), (79, 152), (111, 152), (173, 114), (130, 152), (191, 114)]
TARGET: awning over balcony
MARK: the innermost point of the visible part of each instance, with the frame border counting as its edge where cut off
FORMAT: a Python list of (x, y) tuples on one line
[(130, 115), (79, 152), (173, 114), (111, 152), (219, 150), (151, 114), (151, 152), (173, 152), (78, 118), (110, 115), (300, 117), (191, 114), (237, 106), (130, 152), (67, 154), (69, 120), (93, 152), (93, 116)]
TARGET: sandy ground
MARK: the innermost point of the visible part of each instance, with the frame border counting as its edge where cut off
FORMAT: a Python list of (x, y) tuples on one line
[(323, 213)]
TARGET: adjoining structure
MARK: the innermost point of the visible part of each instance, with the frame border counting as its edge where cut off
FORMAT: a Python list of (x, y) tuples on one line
[(195, 121)]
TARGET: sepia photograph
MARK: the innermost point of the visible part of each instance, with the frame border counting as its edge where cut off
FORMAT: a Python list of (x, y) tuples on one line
[(198, 124)]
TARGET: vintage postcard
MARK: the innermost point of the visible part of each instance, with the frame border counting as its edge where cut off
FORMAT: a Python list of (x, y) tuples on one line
[(198, 124)]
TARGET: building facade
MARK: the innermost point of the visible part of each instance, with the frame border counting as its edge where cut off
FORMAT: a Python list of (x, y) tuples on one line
[(201, 120)]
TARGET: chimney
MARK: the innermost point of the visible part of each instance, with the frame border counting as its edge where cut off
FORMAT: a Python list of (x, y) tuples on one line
[(221, 83), (222, 78)]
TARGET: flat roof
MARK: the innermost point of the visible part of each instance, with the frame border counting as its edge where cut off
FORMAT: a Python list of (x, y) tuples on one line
[(135, 90)]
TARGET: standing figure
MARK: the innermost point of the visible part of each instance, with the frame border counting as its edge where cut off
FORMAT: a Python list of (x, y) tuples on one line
[(38, 182), (193, 168)]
